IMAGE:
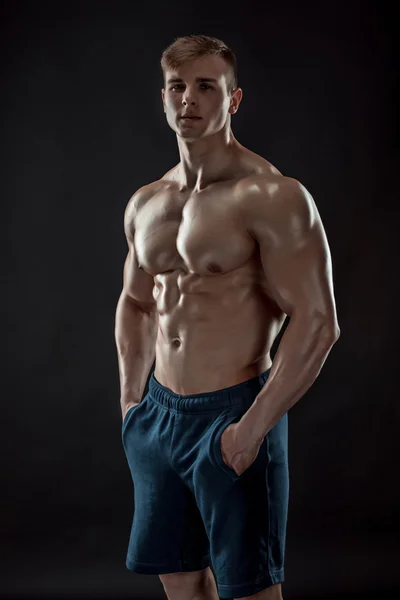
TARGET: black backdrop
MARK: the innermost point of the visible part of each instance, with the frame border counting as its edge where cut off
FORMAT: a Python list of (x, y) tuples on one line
[(83, 128)]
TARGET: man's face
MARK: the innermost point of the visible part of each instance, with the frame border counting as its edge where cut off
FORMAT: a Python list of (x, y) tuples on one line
[(208, 100)]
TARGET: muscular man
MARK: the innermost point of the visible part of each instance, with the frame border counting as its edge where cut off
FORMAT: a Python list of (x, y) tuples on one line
[(221, 249)]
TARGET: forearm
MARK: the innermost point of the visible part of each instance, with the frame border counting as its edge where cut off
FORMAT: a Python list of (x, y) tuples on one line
[(302, 351), (135, 337)]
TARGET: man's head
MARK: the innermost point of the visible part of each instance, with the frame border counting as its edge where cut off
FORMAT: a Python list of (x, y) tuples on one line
[(200, 78)]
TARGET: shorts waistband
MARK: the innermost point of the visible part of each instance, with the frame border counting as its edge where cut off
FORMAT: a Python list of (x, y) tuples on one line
[(236, 395)]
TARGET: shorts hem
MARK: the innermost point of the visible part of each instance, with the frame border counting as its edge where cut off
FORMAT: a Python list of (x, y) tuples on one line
[(249, 588), (176, 566)]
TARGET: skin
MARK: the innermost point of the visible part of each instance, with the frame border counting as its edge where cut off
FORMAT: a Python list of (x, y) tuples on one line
[(222, 248), (199, 352)]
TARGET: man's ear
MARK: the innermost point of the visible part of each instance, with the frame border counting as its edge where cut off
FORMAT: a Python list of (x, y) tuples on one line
[(235, 100)]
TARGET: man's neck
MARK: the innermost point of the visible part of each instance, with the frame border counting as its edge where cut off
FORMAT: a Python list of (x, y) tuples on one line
[(206, 160)]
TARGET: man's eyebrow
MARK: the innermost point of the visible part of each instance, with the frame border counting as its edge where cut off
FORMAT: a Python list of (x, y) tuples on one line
[(179, 79)]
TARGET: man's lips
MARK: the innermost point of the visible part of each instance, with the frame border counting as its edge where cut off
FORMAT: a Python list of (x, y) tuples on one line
[(190, 117)]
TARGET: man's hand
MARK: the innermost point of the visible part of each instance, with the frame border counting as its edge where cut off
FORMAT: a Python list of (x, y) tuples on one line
[(125, 406), (239, 450)]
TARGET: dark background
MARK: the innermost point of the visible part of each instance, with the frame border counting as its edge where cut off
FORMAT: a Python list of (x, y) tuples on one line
[(83, 128)]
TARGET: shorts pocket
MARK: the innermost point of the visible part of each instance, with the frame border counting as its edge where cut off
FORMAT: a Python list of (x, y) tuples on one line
[(128, 415), (223, 422)]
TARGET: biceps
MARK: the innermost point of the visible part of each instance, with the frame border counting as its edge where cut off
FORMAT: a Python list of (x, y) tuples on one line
[(299, 278), (138, 284)]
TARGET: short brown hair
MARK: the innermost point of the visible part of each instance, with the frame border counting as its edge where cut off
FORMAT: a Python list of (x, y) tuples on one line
[(193, 46)]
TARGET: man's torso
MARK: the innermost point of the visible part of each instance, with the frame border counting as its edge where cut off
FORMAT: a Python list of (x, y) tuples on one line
[(216, 320)]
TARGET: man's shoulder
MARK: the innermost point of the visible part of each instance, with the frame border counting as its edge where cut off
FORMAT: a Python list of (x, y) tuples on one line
[(143, 194), (259, 176), (275, 200), (277, 209), (267, 187)]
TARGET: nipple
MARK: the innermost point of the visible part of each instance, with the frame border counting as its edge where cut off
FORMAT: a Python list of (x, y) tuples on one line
[(176, 342)]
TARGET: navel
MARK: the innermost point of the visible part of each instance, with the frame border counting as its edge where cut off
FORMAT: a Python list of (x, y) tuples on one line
[(214, 268)]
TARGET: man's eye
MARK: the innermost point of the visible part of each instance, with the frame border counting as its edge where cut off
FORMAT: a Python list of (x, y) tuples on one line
[(180, 85)]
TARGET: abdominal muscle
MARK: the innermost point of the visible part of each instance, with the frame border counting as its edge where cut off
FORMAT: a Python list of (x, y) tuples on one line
[(213, 332)]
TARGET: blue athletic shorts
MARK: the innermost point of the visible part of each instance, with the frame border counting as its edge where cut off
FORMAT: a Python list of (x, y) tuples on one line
[(191, 510)]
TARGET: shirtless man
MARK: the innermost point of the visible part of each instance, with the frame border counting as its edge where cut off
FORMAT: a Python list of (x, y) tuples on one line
[(221, 249)]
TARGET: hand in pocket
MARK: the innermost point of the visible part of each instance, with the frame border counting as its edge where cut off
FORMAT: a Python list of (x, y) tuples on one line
[(126, 408), (237, 452)]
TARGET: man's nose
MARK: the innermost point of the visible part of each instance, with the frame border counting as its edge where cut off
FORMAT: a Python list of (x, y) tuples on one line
[(188, 98)]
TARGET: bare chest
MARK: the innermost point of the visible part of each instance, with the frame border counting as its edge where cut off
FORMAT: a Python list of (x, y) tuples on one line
[(202, 234)]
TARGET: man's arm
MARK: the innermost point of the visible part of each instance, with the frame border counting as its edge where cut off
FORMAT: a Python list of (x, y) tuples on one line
[(136, 319), (285, 222)]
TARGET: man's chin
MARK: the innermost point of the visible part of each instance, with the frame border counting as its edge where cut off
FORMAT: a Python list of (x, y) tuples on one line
[(189, 135)]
